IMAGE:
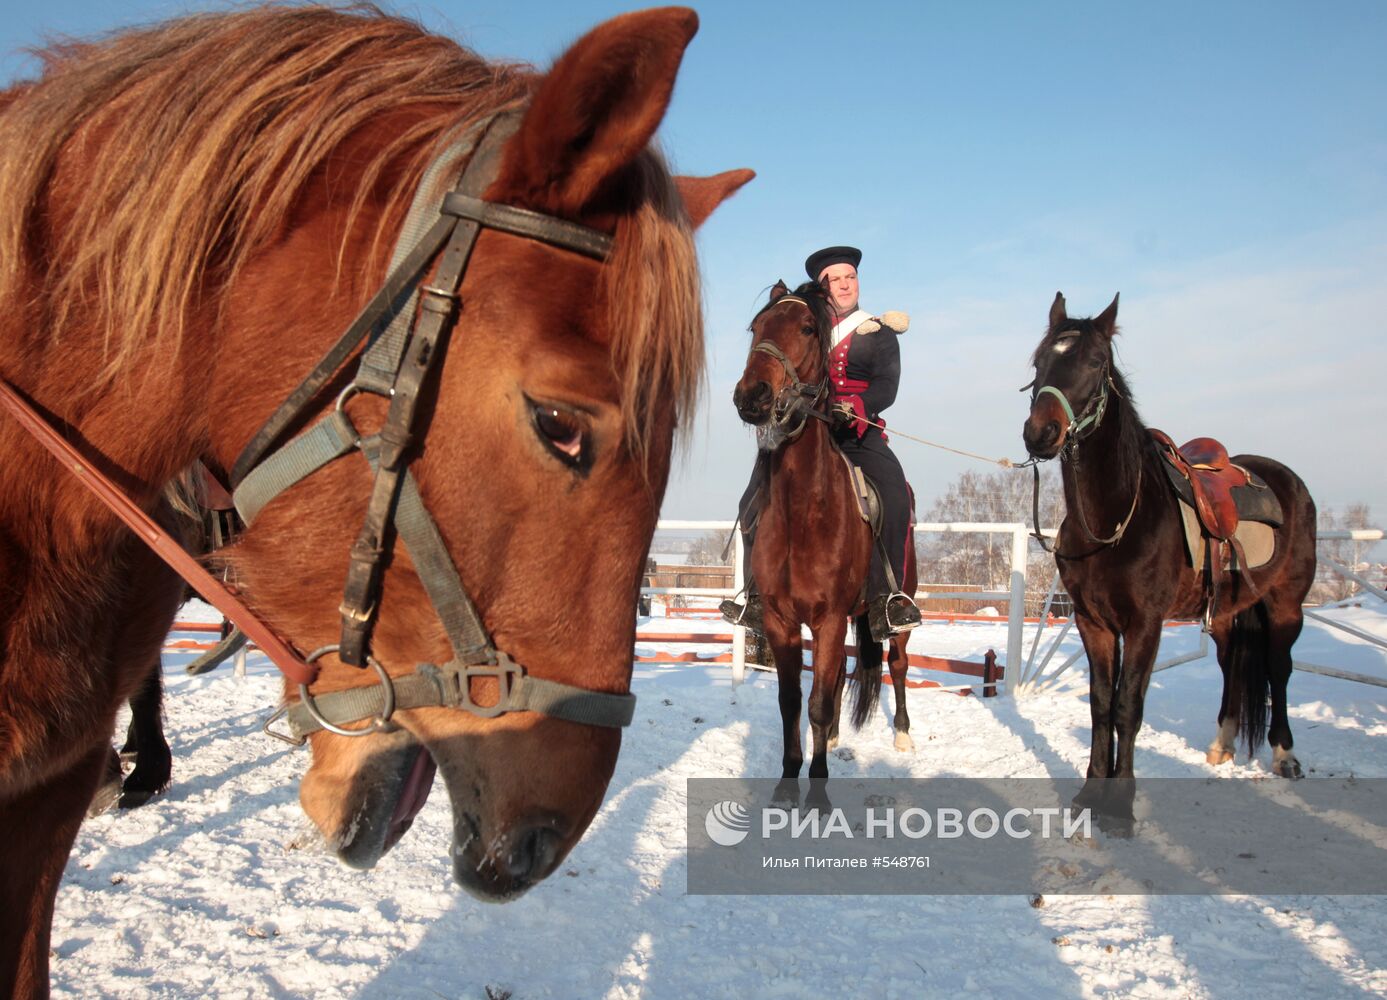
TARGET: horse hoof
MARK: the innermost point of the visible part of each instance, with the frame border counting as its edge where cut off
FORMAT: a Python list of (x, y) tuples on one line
[(105, 798), (1115, 826), (786, 794), (133, 798), (904, 743), (1287, 767), (1218, 755)]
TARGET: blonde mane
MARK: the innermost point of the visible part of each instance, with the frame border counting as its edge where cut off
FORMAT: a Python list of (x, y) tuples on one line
[(198, 137)]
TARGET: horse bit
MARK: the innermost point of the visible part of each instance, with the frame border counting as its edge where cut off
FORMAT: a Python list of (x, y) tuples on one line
[(396, 363)]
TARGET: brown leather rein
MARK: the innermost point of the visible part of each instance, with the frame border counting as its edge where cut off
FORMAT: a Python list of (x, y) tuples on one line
[(400, 355), (165, 547)]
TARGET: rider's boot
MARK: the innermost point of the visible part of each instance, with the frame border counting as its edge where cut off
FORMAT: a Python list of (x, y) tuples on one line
[(750, 615), (891, 614)]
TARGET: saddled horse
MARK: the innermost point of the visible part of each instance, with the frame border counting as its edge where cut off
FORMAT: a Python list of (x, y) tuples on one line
[(813, 548), (190, 215), (1122, 554)]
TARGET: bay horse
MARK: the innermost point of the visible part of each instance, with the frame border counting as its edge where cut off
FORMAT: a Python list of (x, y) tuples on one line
[(812, 549), (1121, 552), (190, 214)]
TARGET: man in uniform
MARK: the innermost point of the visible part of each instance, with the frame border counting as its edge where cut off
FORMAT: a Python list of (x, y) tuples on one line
[(864, 372)]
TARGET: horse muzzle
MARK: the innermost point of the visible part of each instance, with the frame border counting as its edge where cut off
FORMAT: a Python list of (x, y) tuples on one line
[(1043, 440), (1045, 429), (507, 865), (753, 402)]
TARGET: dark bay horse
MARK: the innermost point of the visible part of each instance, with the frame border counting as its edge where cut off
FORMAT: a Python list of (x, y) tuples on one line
[(190, 215), (1124, 587), (144, 746), (812, 549)]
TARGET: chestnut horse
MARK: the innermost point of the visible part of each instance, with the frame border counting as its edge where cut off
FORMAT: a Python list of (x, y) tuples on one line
[(813, 548), (1125, 587), (189, 215)]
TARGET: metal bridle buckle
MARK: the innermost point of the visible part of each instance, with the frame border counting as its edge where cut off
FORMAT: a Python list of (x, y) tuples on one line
[(380, 724), (506, 671)]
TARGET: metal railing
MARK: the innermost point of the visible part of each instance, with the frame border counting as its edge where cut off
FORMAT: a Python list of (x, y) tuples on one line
[(1033, 679)]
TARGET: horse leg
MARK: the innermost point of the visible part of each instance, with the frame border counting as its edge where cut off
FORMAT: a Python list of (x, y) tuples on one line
[(829, 671), (897, 662), (1285, 624), (1103, 652), (153, 762), (1224, 747), (788, 648), (837, 711), (108, 789), (1101, 646), (41, 824), (1139, 645)]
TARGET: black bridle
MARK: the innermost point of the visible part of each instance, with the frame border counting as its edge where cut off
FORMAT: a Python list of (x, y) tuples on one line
[(399, 360), (796, 399)]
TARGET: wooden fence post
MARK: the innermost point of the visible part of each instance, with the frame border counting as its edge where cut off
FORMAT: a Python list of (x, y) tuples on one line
[(990, 674)]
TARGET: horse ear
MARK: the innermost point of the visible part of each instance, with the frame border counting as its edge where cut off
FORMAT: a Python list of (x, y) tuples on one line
[(596, 109), (703, 194), (1057, 313), (779, 289), (1106, 321)]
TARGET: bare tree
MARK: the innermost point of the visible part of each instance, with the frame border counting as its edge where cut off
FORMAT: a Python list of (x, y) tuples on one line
[(1330, 586), (984, 560), (708, 550)]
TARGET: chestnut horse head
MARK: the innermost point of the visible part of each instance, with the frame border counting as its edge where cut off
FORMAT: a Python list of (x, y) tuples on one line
[(788, 363), (189, 216)]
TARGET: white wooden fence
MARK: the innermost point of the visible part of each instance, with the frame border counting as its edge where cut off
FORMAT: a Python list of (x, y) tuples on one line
[(1029, 676)]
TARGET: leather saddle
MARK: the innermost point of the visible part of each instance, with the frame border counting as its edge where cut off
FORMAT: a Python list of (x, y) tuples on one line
[(1221, 492), (865, 492)]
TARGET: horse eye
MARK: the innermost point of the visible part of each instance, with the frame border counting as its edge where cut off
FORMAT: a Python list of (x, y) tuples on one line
[(809, 329), (560, 432)]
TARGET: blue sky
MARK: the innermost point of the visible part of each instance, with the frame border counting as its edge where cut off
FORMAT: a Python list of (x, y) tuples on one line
[(1223, 166)]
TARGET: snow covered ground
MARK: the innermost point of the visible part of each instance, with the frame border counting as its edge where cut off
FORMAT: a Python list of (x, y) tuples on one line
[(208, 891)]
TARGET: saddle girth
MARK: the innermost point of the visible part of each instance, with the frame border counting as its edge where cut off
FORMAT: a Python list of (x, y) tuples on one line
[(1203, 476)]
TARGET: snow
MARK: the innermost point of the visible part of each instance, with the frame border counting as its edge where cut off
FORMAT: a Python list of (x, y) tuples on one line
[(218, 888)]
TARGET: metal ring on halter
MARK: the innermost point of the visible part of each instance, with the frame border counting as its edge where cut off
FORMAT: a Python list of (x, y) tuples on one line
[(380, 724), (351, 390)]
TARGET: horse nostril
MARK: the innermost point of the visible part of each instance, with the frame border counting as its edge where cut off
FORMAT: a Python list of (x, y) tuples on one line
[(534, 855), (754, 403), (1042, 438)]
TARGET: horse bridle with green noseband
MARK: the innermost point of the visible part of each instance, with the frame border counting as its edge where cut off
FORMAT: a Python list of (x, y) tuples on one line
[(398, 361), (1079, 429)]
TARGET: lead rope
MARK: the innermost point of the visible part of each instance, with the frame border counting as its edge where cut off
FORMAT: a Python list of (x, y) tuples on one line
[(1005, 463)]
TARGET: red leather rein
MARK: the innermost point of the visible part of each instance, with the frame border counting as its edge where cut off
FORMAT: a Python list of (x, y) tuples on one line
[(211, 589)]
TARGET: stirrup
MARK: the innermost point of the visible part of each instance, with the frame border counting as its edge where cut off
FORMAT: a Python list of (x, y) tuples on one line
[(886, 621), (748, 616), (902, 617)]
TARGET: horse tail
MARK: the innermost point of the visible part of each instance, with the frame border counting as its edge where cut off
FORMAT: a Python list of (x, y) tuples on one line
[(866, 691), (1248, 648)]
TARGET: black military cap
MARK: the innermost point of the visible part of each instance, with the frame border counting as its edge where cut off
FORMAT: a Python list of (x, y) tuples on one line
[(828, 256)]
